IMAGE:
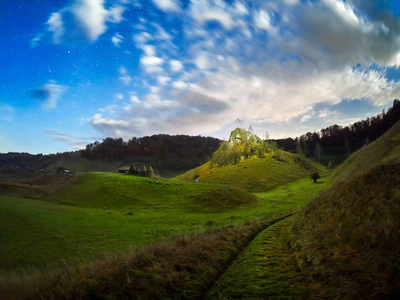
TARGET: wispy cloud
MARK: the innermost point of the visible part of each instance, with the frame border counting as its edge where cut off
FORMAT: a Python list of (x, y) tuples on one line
[(117, 39), (75, 142), (48, 94)]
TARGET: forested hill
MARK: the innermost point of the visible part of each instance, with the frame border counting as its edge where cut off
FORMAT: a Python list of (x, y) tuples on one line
[(162, 150), (336, 140)]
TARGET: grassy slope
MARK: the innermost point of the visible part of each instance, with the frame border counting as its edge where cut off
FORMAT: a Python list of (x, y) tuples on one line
[(181, 268), (253, 175), (347, 240), (379, 152), (110, 213)]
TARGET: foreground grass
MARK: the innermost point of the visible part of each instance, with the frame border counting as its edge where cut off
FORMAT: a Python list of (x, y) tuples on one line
[(263, 271), (182, 268), (112, 213)]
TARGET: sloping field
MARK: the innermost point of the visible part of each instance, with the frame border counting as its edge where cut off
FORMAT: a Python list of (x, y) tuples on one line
[(103, 213), (381, 151), (253, 175)]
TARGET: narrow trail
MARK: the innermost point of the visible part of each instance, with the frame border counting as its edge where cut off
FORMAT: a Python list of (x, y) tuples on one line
[(211, 292)]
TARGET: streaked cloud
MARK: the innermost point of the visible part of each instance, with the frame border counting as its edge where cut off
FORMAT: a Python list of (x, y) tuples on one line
[(117, 39), (75, 142)]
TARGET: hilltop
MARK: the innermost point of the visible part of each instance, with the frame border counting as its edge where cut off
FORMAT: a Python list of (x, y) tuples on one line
[(248, 163), (347, 240)]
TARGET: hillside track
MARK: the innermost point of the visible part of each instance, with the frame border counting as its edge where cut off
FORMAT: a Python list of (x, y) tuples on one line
[(212, 291)]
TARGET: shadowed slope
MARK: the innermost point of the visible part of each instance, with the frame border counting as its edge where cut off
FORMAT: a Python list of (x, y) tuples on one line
[(379, 152), (347, 241)]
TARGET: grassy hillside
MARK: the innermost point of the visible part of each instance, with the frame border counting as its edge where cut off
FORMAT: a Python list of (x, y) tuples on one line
[(379, 152), (347, 241), (253, 175), (182, 268), (98, 213)]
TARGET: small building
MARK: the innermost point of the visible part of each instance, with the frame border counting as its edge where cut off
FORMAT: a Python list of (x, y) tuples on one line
[(124, 169)]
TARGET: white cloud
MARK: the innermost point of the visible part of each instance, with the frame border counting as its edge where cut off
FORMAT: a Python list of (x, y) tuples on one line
[(142, 38), (203, 11), (161, 34), (168, 5), (262, 20), (180, 85), (149, 50), (326, 51), (241, 8), (82, 21), (163, 79), (151, 64), (202, 61), (90, 16), (117, 39), (56, 27), (119, 96), (176, 65), (115, 14), (135, 99)]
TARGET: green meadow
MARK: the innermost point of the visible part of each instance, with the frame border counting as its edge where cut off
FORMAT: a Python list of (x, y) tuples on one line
[(104, 213)]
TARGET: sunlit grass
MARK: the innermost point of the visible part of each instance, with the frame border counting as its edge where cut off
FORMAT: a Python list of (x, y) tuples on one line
[(111, 213), (255, 174)]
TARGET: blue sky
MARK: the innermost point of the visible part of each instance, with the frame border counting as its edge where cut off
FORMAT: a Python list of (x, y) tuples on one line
[(81, 70)]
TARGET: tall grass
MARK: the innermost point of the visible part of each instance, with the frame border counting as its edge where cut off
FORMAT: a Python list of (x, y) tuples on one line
[(182, 268)]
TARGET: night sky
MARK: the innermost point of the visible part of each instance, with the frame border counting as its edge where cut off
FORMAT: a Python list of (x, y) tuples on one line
[(73, 72)]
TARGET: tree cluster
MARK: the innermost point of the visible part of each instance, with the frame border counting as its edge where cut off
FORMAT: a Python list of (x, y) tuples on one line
[(242, 144), (141, 170), (338, 140), (162, 151)]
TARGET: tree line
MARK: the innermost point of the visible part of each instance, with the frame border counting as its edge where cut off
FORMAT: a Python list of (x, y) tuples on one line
[(337, 140), (162, 151)]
